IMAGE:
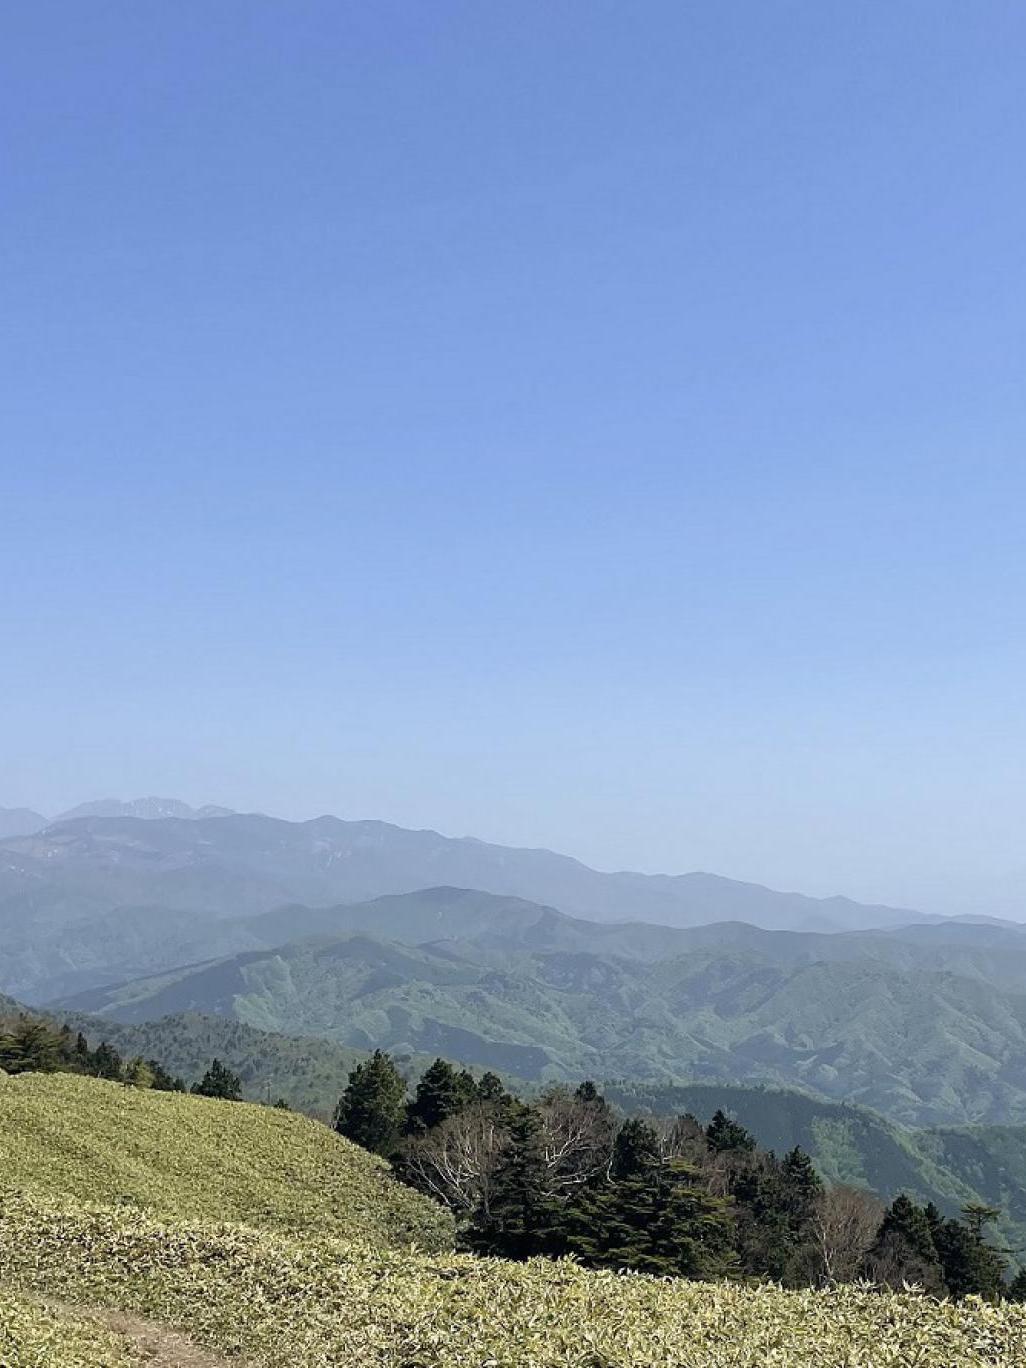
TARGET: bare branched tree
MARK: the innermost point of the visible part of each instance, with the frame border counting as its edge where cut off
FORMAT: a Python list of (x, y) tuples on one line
[(845, 1223), (456, 1160), (577, 1136)]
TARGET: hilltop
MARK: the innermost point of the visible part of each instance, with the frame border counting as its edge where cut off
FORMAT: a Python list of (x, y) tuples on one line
[(194, 1158)]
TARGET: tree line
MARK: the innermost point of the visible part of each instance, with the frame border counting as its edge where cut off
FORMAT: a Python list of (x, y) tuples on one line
[(564, 1174), (30, 1044)]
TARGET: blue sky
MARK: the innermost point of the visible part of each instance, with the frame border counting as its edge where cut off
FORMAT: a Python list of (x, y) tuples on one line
[(580, 424)]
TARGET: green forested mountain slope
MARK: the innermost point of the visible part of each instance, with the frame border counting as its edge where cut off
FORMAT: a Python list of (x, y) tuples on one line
[(45, 960), (309, 1073), (850, 1144), (922, 1045), (948, 1165)]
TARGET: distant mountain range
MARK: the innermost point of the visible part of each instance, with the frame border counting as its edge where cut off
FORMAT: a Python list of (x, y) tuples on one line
[(148, 809), (523, 960), (25, 822), (235, 864), (926, 1024)]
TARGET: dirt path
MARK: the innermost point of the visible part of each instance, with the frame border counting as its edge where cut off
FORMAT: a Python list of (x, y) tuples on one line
[(158, 1346)]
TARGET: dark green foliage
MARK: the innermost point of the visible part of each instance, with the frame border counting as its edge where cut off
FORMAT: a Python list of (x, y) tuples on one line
[(442, 1092), (490, 1088), (917, 1245), (371, 1111), (650, 1215), (105, 1061), (30, 1046), (680, 1200), (1016, 1290), (912, 1223), (662, 1222), (776, 1202), (724, 1134), (905, 1249), (635, 1150), (970, 1264), (522, 1216), (219, 1081)]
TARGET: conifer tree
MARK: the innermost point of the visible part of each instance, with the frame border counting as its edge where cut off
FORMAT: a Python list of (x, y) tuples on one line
[(219, 1081), (650, 1216), (441, 1093), (635, 1149), (490, 1089), (31, 1047), (105, 1061), (523, 1218), (371, 1110), (970, 1264), (905, 1250), (723, 1134)]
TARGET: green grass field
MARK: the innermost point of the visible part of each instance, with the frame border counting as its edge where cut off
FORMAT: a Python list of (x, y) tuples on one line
[(193, 1158), (264, 1238), (281, 1302)]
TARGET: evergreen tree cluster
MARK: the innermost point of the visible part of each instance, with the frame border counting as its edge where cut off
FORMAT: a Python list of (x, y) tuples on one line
[(947, 1257), (563, 1174), (30, 1044)]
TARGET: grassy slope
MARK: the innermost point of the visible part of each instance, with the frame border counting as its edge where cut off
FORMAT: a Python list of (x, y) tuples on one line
[(194, 1158), (38, 1336), (279, 1302), (149, 1203)]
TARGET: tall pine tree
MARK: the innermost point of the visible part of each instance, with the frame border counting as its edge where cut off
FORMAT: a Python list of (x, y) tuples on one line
[(441, 1093), (371, 1111)]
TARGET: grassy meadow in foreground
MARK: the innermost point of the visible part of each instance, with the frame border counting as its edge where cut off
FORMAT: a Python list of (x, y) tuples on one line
[(280, 1302), (264, 1237), (189, 1157)]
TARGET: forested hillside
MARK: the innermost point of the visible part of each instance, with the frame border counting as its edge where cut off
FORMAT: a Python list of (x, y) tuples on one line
[(879, 1020)]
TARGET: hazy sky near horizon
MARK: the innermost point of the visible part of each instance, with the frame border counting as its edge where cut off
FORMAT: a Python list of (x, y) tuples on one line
[(590, 425)]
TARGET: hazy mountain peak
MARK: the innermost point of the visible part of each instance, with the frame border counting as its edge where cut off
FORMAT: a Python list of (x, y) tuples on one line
[(151, 809), (20, 821)]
